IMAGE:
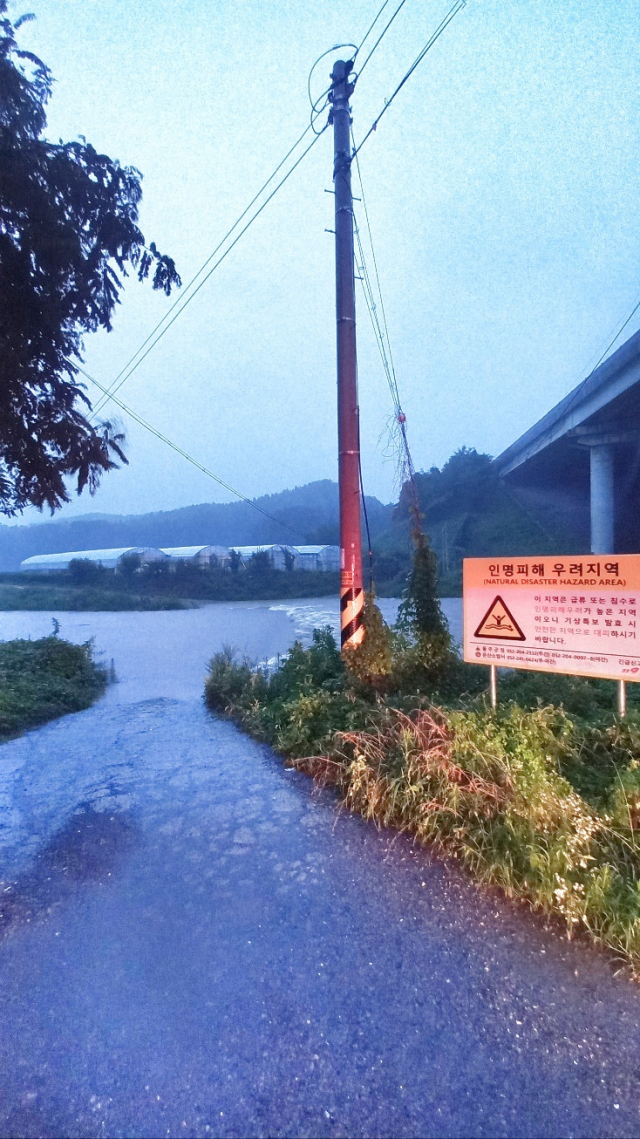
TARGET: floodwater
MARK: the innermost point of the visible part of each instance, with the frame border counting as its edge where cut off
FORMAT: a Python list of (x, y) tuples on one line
[(195, 943), (166, 653)]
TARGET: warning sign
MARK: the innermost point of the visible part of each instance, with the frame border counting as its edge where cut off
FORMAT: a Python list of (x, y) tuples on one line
[(575, 614), (499, 622)]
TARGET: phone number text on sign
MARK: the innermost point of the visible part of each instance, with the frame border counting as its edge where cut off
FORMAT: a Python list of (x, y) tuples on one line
[(576, 615)]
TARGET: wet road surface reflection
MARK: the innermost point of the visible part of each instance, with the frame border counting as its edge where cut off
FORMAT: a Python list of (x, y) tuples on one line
[(197, 944)]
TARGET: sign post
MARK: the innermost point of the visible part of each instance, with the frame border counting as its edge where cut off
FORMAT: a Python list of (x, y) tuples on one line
[(575, 615)]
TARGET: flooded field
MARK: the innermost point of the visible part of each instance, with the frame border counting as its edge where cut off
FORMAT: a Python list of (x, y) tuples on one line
[(166, 653)]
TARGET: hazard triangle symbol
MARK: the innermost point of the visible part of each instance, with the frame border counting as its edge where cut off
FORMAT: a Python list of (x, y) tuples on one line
[(499, 623)]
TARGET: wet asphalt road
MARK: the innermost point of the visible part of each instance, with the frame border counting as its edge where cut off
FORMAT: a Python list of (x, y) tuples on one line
[(194, 944)]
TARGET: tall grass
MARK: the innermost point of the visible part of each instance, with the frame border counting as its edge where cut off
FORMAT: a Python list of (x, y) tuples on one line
[(540, 800)]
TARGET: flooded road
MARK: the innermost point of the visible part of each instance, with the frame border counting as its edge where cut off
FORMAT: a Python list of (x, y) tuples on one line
[(193, 943)]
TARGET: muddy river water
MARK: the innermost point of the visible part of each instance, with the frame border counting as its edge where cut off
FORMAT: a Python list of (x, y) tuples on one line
[(195, 943)]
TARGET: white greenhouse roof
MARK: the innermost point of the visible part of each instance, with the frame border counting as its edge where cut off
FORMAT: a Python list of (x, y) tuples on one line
[(311, 549), (54, 560), (188, 551)]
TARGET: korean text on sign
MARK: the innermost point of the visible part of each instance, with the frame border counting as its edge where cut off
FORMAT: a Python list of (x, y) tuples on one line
[(574, 615)]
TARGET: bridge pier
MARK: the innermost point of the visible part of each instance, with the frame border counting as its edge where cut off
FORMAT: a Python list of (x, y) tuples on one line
[(603, 414), (602, 452), (602, 498)]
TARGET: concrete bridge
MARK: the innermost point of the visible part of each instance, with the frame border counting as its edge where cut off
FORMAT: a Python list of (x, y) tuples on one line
[(580, 464)]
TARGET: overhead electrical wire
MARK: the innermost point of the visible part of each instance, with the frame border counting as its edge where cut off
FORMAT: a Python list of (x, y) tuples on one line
[(405, 470), (185, 454), (371, 27), (605, 353), (183, 300), (457, 7), (573, 396), (363, 499), (315, 109), (380, 37), (189, 285), (393, 383)]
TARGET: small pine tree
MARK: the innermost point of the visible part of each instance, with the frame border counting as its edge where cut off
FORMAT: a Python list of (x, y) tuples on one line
[(420, 612), (428, 655)]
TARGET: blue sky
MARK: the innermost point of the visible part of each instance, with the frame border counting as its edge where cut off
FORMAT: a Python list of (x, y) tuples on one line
[(503, 193)]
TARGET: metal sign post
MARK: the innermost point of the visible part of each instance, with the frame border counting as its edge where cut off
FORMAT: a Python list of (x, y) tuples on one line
[(493, 686)]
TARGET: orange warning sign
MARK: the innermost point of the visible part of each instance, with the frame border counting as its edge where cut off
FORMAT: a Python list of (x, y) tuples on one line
[(568, 614), (499, 622)]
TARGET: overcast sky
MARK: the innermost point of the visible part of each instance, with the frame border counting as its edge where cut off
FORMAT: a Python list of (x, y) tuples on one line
[(503, 192)]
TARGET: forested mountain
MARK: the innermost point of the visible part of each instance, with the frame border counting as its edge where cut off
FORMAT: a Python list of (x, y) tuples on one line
[(469, 512), (305, 515)]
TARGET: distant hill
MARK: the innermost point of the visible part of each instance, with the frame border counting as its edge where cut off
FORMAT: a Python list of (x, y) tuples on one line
[(470, 513), (304, 515)]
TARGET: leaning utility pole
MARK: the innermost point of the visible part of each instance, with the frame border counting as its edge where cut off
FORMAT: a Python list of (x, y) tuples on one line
[(351, 593)]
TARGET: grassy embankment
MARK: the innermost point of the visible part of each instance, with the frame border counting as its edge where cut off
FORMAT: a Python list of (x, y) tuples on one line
[(107, 590), (541, 798), (64, 596), (41, 680)]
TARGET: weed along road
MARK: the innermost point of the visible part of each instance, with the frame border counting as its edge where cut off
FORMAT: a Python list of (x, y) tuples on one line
[(194, 943)]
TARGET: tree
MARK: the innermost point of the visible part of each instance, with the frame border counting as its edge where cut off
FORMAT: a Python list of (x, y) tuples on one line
[(129, 564), (260, 564), (83, 571), (420, 610), (68, 233)]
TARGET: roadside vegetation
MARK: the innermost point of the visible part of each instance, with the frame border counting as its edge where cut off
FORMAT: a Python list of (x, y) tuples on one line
[(41, 680), (540, 798)]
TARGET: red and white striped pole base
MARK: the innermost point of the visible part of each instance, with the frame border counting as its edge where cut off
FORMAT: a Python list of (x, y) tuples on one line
[(351, 612)]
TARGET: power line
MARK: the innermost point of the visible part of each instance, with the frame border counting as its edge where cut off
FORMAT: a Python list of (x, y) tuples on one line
[(457, 7), (608, 348), (367, 527), (371, 27), (185, 454), (392, 377), (405, 468), (574, 395), (128, 371), (315, 110), (182, 295), (382, 34)]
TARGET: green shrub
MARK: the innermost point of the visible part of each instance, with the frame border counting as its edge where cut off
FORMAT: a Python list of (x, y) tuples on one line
[(41, 680), (231, 684)]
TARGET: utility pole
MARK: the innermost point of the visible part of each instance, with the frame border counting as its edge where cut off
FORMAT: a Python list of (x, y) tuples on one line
[(351, 592)]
